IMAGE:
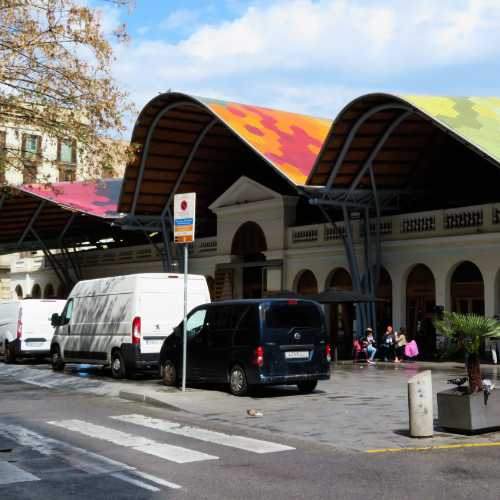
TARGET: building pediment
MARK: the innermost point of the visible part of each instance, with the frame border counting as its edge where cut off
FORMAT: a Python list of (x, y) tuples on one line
[(244, 191)]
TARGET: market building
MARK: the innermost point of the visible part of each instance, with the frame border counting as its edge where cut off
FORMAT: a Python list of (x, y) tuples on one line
[(397, 197)]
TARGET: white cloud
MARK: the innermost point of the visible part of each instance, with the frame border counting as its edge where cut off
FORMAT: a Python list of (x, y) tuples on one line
[(182, 18), (312, 55)]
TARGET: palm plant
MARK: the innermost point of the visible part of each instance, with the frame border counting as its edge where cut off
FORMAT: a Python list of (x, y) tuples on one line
[(466, 331)]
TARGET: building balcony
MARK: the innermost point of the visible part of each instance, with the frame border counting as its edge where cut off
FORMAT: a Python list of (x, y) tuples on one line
[(437, 223)]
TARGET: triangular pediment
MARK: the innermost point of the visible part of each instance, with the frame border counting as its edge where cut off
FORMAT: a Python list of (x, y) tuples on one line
[(244, 191)]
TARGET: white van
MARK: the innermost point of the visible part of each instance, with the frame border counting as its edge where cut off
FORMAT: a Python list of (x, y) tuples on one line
[(25, 328), (122, 321)]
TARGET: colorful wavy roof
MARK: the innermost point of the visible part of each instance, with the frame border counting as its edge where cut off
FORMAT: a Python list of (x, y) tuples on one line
[(474, 119), (289, 141), (97, 198)]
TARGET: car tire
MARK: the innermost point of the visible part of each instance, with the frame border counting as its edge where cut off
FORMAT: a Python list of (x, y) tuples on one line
[(238, 385), (307, 386), (56, 360), (10, 354), (169, 375), (118, 365)]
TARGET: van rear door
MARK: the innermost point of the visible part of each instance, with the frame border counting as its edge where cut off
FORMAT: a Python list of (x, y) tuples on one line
[(294, 337), (161, 308), (37, 331)]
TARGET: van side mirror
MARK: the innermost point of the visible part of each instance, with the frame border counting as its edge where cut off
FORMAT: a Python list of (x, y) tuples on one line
[(55, 320)]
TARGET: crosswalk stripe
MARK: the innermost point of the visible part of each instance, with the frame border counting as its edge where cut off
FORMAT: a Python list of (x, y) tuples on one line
[(165, 451), (79, 458), (10, 473), (135, 482), (231, 440), (157, 480)]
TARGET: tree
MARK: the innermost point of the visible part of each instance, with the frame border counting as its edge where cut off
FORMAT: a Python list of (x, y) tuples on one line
[(467, 331), (55, 78)]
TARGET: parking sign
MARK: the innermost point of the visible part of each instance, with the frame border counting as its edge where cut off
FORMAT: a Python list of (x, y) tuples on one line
[(184, 217)]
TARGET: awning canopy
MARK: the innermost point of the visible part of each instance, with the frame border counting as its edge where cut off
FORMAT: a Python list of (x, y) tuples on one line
[(414, 143), (78, 211), (189, 143)]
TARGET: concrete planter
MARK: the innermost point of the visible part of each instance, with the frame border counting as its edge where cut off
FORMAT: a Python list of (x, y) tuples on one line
[(467, 412)]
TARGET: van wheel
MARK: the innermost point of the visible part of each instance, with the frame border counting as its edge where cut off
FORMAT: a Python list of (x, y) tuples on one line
[(117, 365), (10, 354), (307, 386), (238, 385), (169, 374), (56, 360)]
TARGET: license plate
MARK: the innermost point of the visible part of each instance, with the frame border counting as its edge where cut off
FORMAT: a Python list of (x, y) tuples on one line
[(152, 341), (34, 344), (296, 354)]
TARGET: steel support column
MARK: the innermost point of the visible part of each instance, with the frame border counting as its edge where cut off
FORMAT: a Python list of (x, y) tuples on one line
[(29, 227), (61, 272), (354, 268)]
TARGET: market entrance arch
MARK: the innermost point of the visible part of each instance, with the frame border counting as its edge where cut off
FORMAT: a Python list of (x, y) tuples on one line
[(420, 309)]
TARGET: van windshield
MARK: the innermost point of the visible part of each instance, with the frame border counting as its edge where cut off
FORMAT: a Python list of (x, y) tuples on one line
[(294, 315)]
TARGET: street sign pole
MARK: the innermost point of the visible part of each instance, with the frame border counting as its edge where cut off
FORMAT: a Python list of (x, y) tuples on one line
[(184, 230), (184, 333)]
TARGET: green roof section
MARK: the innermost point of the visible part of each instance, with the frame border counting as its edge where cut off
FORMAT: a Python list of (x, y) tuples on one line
[(475, 119)]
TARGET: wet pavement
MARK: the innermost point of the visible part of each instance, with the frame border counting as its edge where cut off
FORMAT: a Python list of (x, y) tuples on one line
[(361, 407)]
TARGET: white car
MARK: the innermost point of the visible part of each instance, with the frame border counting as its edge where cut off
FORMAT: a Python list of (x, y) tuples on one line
[(122, 321), (25, 328)]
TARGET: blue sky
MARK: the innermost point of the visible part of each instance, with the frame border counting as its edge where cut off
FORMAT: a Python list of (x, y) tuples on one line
[(309, 56)]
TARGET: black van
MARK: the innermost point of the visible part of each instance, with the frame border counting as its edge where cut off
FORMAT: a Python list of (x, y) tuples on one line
[(251, 342)]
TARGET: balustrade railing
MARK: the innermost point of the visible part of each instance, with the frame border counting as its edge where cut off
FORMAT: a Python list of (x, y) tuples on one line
[(463, 218), (418, 224)]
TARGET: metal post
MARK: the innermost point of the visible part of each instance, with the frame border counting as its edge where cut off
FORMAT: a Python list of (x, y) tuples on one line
[(184, 332)]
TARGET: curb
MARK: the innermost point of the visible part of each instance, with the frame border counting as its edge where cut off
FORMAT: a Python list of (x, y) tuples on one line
[(142, 398)]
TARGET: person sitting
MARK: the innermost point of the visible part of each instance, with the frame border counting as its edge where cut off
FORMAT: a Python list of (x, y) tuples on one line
[(358, 348), (369, 342), (400, 345), (388, 343)]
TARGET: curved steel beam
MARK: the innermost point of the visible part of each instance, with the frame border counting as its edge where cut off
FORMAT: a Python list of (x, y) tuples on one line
[(376, 150), (186, 165), (352, 133), (145, 150)]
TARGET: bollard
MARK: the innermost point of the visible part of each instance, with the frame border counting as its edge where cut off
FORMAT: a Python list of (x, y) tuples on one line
[(420, 405)]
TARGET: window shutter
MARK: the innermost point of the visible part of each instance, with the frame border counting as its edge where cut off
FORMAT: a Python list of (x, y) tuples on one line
[(73, 152), (58, 149), (39, 147), (224, 284), (23, 144)]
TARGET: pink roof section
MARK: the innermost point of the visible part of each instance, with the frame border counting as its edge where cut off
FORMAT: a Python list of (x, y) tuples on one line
[(290, 142), (97, 198)]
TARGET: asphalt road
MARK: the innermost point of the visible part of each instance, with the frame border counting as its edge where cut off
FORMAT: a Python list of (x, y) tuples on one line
[(58, 444)]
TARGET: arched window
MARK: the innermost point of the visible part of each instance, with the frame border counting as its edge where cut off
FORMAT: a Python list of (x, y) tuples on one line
[(384, 306), (420, 309), (467, 289), (249, 240), (341, 316), (307, 283), (36, 292), (48, 293)]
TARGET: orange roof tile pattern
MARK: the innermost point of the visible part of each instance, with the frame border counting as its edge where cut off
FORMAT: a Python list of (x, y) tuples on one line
[(289, 141)]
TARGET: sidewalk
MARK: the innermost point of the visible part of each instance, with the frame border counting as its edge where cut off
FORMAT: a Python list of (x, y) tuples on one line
[(360, 408)]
